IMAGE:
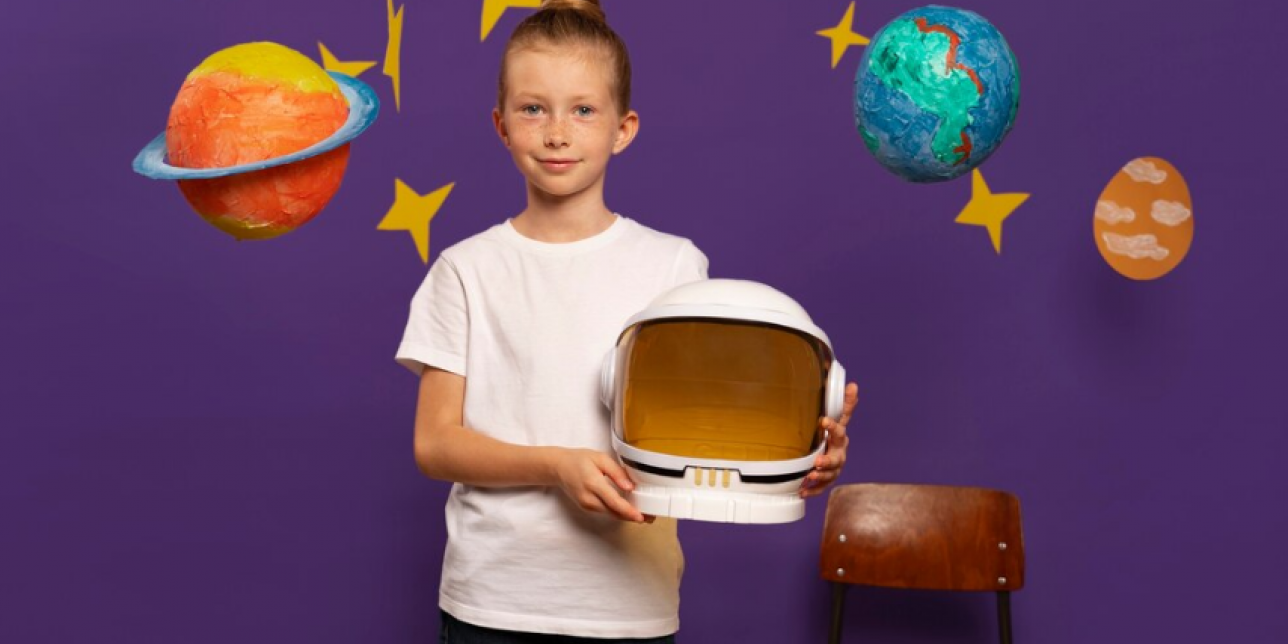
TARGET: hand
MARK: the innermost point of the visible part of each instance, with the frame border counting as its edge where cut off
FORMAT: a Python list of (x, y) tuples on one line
[(588, 478), (827, 467)]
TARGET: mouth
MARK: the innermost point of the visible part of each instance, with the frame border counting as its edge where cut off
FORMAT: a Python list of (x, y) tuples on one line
[(557, 164)]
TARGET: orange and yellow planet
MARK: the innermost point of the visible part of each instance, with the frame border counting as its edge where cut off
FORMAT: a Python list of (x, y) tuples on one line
[(270, 128)]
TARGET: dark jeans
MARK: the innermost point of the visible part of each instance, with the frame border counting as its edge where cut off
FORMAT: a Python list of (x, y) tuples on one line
[(457, 632)]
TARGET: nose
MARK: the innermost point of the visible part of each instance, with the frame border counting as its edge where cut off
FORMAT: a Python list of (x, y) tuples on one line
[(557, 133)]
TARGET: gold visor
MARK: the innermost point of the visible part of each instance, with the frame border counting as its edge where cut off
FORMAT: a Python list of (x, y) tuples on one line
[(721, 389)]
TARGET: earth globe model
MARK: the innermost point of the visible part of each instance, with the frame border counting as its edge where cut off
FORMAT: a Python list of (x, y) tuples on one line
[(936, 92), (258, 138)]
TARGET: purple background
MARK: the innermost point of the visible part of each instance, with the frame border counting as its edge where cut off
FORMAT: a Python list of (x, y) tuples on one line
[(209, 441)]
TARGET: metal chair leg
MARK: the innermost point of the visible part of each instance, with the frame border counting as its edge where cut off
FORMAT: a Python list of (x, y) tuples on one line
[(1004, 615), (838, 606)]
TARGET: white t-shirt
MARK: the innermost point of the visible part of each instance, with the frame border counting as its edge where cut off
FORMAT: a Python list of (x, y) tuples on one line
[(528, 324)]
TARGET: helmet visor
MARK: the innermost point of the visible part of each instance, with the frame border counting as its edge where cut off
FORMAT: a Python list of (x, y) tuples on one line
[(720, 389)]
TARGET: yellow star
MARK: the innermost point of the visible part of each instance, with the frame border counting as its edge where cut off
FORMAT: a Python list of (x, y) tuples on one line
[(393, 49), (350, 68), (989, 210), (412, 212), (843, 36), (492, 10)]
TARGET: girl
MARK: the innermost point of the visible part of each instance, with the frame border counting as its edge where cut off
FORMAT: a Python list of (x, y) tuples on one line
[(541, 541)]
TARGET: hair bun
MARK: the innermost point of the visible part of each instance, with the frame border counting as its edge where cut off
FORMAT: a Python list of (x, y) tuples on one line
[(589, 8)]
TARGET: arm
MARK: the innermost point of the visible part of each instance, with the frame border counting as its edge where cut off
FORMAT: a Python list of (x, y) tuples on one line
[(446, 449)]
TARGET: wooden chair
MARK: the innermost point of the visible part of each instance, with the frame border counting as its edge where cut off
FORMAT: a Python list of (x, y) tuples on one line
[(932, 537)]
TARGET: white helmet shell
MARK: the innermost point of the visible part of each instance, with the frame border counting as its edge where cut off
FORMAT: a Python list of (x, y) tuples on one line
[(712, 460)]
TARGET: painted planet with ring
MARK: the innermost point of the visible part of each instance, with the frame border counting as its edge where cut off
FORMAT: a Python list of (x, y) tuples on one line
[(258, 138)]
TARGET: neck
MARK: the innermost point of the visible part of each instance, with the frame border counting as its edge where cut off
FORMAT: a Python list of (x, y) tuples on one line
[(561, 219)]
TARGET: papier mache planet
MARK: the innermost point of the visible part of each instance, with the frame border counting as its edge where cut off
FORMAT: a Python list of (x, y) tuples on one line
[(258, 138)]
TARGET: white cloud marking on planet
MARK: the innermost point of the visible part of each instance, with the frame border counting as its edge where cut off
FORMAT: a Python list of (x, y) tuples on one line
[(1112, 213), (1143, 171), (1135, 246), (1169, 213)]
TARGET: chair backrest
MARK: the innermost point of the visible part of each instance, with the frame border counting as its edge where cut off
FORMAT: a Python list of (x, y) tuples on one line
[(923, 536)]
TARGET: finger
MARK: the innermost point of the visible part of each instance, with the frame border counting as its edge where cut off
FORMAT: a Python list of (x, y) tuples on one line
[(648, 518), (836, 431), (816, 490), (816, 481), (827, 424), (809, 489), (616, 504), (824, 477), (590, 502), (836, 459), (831, 428), (833, 460), (823, 474), (835, 454), (836, 436), (850, 401), (614, 471), (841, 445)]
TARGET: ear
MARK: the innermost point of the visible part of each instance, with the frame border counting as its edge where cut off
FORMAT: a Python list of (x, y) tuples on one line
[(499, 124), (626, 131)]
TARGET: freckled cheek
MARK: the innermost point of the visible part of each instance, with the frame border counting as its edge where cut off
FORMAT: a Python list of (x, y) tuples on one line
[(525, 138), (592, 130), (594, 136)]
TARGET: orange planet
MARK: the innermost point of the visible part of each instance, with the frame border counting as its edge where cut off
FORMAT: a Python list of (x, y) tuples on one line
[(1144, 221), (249, 103)]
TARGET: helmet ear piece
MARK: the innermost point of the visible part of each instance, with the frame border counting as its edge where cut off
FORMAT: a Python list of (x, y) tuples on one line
[(835, 390), (607, 378)]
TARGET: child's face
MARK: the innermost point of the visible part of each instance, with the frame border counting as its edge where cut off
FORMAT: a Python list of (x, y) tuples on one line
[(560, 121)]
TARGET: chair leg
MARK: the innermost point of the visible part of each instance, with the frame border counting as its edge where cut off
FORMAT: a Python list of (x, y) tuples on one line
[(1004, 615), (838, 605)]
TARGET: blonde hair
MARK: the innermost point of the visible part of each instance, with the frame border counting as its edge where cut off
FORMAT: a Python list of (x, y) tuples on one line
[(575, 22)]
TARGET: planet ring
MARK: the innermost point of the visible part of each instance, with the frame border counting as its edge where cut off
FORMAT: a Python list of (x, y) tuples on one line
[(363, 108)]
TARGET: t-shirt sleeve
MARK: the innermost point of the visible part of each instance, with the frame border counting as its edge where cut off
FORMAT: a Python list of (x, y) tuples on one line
[(438, 324), (690, 266)]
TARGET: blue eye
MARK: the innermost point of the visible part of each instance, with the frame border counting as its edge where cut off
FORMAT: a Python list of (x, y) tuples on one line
[(531, 110), (585, 110)]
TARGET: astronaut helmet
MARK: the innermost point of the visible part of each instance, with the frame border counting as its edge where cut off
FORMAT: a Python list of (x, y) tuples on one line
[(715, 392)]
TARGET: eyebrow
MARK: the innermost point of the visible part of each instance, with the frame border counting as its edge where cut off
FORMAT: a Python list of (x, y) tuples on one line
[(579, 98)]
